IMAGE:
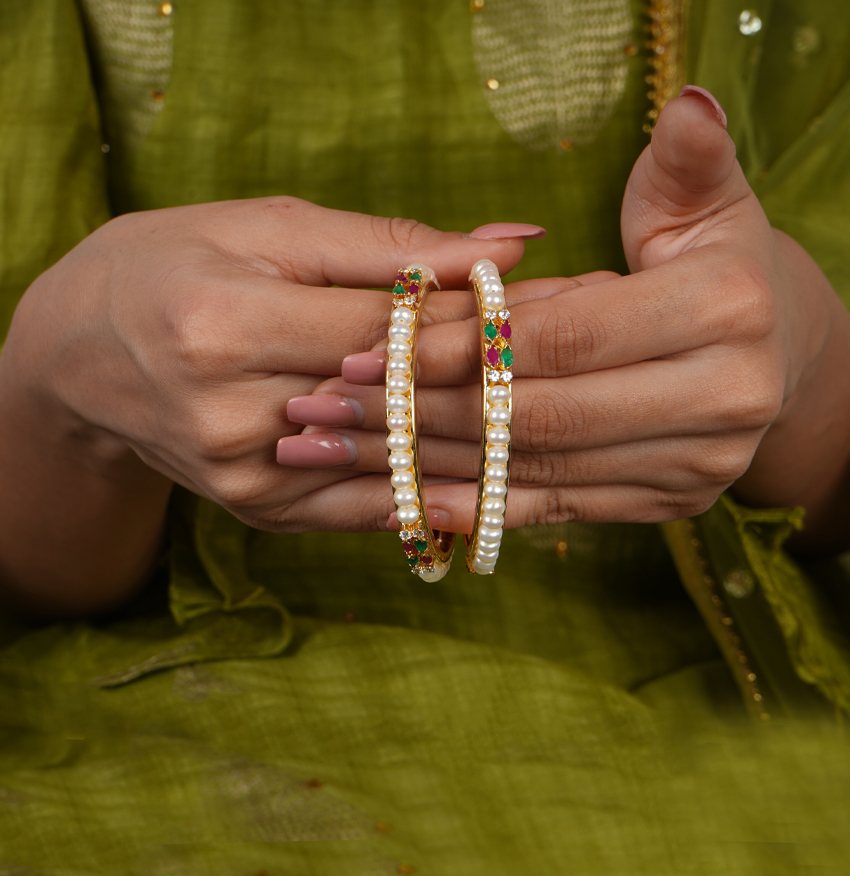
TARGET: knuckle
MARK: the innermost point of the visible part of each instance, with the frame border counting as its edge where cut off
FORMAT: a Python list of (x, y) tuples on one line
[(552, 507), (539, 469), (199, 327), (550, 423), (401, 233), (567, 341), (749, 308)]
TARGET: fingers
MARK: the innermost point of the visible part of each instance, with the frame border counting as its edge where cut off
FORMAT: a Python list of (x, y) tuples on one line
[(316, 246), (684, 184)]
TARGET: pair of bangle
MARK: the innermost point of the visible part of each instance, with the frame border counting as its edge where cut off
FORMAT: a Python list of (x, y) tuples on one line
[(428, 552)]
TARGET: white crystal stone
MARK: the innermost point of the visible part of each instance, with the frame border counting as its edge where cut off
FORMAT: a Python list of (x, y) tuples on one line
[(504, 314), (507, 377), (405, 535), (400, 461), (489, 314)]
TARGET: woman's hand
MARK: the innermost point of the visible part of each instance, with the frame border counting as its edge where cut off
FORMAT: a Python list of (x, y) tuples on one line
[(721, 359), (163, 349)]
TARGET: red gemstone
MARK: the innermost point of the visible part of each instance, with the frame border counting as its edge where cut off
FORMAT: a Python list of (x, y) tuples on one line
[(413, 289), (409, 547), (493, 355), (427, 559), (505, 330), (400, 278)]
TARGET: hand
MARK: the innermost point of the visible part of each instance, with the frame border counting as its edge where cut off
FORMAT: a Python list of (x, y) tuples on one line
[(641, 398), (164, 349)]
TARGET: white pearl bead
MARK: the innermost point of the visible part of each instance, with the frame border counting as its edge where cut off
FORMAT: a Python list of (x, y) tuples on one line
[(400, 333), (401, 316), (492, 506), (433, 574), (405, 497), (487, 556), (493, 521), (398, 348), (408, 514), (398, 365), (497, 455), (483, 568), (400, 461), (399, 441), (496, 473), (499, 395), (489, 534), (498, 416), (398, 404), (495, 490), (491, 285), (489, 546), (402, 479), (496, 435), (398, 383), (494, 301), (397, 422)]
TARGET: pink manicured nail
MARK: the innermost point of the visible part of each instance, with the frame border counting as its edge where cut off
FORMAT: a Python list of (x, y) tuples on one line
[(314, 451), (708, 97), (324, 410), (366, 369), (437, 518), (503, 230)]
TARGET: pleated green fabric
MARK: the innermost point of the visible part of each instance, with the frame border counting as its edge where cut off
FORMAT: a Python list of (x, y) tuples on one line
[(301, 704)]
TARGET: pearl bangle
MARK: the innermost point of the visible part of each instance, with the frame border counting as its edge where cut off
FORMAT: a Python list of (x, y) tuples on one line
[(482, 547), (428, 552)]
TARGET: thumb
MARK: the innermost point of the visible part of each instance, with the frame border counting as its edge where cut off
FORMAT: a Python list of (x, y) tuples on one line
[(683, 182)]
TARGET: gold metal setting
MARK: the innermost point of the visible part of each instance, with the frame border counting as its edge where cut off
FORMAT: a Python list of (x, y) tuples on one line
[(482, 547), (428, 552)]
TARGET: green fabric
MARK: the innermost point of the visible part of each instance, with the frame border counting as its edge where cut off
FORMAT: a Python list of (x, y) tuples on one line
[(302, 704)]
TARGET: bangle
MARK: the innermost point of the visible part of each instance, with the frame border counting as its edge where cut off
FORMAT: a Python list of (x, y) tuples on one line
[(428, 552), (482, 547)]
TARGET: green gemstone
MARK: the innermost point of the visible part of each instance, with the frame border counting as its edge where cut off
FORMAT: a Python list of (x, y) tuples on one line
[(421, 545), (416, 276), (490, 330), (507, 357), (412, 561), (398, 290)]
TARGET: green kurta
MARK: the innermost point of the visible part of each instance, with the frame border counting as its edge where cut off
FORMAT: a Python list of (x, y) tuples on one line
[(571, 714)]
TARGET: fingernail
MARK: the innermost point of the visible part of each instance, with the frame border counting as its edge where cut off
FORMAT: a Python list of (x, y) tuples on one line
[(365, 368), (324, 410), (503, 230), (315, 451), (436, 517), (696, 91)]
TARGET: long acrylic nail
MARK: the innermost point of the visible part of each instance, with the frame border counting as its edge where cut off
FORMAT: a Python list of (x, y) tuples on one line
[(315, 451), (708, 97), (366, 369), (505, 230), (324, 410)]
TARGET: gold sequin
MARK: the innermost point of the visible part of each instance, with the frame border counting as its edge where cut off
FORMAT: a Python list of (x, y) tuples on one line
[(561, 546), (166, 8), (158, 94), (492, 84), (739, 583), (630, 50), (476, 5), (749, 22)]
